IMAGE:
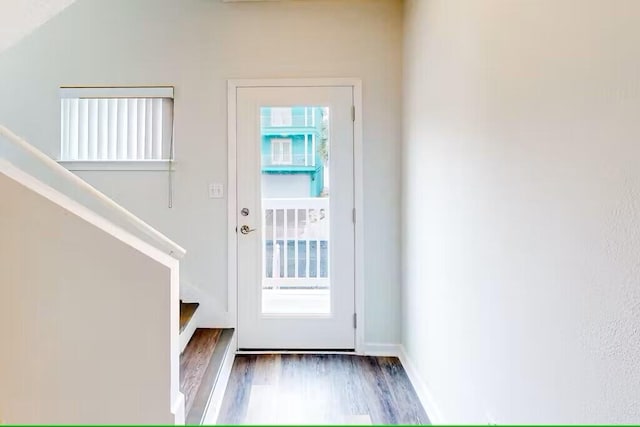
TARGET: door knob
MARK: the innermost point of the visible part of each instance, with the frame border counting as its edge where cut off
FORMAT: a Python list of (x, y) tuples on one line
[(246, 230)]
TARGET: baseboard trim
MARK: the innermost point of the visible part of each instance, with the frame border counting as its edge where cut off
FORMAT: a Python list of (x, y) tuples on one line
[(421, 388), (381, 349), (216, 319), (215, 402), (189, 330), (177, 410)]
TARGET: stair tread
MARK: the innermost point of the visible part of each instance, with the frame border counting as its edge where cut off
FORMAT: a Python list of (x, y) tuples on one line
[(187, 310), (200, 365)]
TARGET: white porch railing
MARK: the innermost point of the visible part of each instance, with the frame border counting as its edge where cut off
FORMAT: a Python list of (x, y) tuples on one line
[(296, 243)]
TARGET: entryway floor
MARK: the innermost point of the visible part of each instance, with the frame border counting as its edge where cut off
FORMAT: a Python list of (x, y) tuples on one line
[(319, 389)]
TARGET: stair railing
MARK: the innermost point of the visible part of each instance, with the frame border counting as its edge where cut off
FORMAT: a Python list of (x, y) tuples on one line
[(157, 238)]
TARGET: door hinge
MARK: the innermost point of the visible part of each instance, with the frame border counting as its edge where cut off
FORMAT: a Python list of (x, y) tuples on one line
[(355, 321), (353, 113), (353, 215)]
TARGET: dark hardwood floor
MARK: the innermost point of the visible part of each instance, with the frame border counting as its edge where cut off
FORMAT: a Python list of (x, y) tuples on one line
[(319, 389), (194, 362)]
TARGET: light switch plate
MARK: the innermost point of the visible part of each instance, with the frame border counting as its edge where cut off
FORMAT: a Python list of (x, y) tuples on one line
[(216, 191)]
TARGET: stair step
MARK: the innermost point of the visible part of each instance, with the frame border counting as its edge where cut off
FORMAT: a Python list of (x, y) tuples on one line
[(200, 367), (187, 310)]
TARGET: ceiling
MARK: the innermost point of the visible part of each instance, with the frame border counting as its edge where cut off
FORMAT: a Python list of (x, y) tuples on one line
[(20, 17)]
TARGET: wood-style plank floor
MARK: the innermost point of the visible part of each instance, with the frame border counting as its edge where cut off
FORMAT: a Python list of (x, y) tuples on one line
[(319, 389), (194, 362), (187, 310)]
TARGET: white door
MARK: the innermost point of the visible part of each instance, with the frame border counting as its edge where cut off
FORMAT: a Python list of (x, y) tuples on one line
[(295, 230)]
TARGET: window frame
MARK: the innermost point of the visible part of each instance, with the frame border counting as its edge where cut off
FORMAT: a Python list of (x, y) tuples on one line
[(283, 117), (103, 92), (278, 158)]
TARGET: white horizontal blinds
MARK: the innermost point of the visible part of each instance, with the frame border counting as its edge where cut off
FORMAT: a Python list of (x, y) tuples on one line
[(117, 128)]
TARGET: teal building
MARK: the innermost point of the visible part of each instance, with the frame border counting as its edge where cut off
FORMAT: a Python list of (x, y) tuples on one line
[(294, 149)]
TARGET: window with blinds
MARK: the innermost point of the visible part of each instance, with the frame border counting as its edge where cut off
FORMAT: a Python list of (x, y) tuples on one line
[(116, 124)]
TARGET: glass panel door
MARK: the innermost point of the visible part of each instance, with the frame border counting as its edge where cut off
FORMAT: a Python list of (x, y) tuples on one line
[(295, 188), (295, 231)]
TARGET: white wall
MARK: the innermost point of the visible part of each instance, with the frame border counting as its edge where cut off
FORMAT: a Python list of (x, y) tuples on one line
[(197, 45), (19, 18), (521, 217), (88, 321)]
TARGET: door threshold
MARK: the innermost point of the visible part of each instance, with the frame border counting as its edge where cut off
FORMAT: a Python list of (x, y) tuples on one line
[(298, 351)]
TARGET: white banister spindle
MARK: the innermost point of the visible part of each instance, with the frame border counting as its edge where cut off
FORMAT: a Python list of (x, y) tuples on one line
[(306, 245), (276, 260), (328, 257), (318, 252), (274, 242), (264, 242), (285, 226), (296, 236)]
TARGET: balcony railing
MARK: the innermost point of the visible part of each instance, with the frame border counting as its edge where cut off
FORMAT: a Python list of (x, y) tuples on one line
[(296, 160), (296, 243), (298, 120)]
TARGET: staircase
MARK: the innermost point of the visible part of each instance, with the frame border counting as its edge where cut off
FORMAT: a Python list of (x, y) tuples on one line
[(205, 366), (78, 254)]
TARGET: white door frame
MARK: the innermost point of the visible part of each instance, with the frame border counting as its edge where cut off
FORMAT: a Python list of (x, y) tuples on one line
[(356, 84)]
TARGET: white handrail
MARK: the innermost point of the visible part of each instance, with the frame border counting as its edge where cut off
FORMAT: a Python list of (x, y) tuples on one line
[(163, 241)]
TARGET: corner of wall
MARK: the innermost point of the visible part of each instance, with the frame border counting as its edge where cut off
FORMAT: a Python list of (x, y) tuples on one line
[(420, 386)]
